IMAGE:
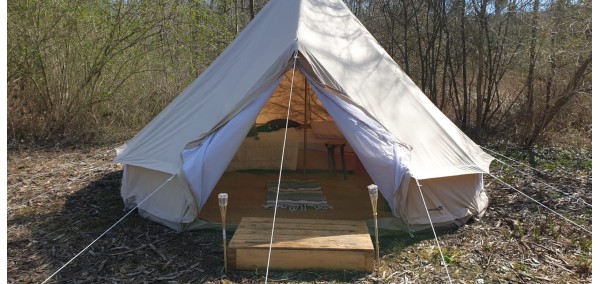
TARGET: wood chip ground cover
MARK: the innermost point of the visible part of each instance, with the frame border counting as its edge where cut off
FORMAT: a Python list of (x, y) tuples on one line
[(61, 200)]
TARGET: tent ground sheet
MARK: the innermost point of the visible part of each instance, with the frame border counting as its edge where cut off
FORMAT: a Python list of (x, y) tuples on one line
[(248, 192)]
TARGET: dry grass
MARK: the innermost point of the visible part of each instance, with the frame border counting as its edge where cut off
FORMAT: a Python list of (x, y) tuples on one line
[(61, 200)]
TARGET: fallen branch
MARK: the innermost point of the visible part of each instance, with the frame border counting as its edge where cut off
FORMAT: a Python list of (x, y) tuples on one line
[(158, 252), (128, 251)]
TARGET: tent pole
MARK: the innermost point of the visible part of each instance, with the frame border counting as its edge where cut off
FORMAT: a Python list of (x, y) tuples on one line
[(305, 119)]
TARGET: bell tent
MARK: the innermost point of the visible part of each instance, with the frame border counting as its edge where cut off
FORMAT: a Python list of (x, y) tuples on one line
[(314, 60)]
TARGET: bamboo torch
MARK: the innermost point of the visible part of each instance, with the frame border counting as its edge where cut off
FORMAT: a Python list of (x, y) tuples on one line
[(223, 206), (373, 190)]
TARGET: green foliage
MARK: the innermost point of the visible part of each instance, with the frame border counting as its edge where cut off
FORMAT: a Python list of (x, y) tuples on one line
[(76, 68), (67, 57), (451, 258), (508, 180), (585, 245)]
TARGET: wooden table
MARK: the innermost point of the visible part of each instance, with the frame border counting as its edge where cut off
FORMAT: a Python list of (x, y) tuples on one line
[(331, 145), (301, 244)]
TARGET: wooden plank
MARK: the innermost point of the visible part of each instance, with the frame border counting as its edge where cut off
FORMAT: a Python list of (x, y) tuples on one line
[(317, 244), (302, 244), (301, 224), (319, 227), (305, 259), (231, 258), (331, 242), (324, 227), (260, 233), (295, 237), (269, 221)]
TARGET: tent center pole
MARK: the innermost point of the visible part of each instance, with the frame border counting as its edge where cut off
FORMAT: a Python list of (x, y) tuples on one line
[(305, 121)]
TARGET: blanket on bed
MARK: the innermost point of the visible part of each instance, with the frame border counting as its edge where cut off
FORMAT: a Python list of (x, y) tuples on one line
[(296, 195)]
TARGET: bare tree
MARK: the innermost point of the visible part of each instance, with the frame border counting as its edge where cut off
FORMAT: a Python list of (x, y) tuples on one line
[(530, 99)]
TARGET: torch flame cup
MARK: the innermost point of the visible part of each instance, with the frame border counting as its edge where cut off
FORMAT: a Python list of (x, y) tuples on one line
[(223, 199)]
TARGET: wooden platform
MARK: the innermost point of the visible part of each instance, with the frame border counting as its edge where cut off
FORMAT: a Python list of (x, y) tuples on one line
[(301, 244)]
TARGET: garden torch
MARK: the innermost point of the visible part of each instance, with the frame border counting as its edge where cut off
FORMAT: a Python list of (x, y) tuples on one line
[(373, 190), (223, 206)]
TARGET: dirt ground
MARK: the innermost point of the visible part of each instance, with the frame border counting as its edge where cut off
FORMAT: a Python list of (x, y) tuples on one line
[(60, 200)]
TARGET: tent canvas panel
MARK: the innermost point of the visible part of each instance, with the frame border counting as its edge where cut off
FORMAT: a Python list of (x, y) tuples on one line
[(173, 202), (448, 199), (304, 101), (381, 155), (204, 165), (346, 57)]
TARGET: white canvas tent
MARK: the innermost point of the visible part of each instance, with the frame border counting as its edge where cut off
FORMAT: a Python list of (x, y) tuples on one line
[(397, 133)]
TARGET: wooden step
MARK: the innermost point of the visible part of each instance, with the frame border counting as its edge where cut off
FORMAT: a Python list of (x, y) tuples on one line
[(301, 244)]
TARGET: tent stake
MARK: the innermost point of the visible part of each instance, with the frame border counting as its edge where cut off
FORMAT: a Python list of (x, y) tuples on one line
[(223, 206), (373, 190)]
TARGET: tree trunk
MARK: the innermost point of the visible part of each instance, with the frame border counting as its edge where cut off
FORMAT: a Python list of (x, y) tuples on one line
[(236, 16), (565, 97), (463, 36), (530, 100), (481, 15)]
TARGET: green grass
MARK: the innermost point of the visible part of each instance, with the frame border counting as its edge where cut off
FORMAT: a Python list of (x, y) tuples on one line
[(451, 256), (588, 164), (521, 267), (536, 232)]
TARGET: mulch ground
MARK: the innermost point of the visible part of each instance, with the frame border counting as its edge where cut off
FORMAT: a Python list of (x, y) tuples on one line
[(60, 200)]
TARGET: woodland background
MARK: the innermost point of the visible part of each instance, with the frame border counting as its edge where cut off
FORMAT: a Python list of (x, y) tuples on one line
[(97, 71)]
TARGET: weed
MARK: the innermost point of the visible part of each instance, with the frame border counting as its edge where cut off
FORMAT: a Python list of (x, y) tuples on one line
[(521, 267), (554, 195), (518, 230), (585, 245), (548, 166), (543, 227), (451, 256), (588, 164), (508, 234), (488, 247), (502, 270), (584, 265), (508, 180), (556, 231), (536, 234)]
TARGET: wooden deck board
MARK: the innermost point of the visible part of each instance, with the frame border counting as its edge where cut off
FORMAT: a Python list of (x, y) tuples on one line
[(302, 244)]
